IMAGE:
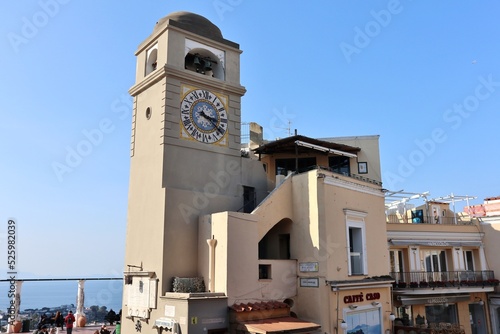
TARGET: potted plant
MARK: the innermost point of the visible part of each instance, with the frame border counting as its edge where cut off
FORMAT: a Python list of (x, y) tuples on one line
[(493, 282)]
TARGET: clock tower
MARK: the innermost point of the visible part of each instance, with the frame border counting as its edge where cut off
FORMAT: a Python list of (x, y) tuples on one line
[(185, 154)]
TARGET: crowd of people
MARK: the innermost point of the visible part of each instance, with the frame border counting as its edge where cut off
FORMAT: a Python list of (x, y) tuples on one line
[(55, 321), (51, 324)]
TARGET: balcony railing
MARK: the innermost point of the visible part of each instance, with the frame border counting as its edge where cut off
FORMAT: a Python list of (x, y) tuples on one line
[(443, 279), (459, 219)]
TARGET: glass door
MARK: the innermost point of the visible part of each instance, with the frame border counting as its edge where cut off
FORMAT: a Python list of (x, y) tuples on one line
[(477, 318)]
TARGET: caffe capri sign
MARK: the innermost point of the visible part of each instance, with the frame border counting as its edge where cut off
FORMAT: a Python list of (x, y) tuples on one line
[(361, 298)]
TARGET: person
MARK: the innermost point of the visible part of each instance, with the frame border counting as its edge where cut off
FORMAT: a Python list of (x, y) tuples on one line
[(59, 319), (69, 320), (104, 330), (42, 322), (43, 330)]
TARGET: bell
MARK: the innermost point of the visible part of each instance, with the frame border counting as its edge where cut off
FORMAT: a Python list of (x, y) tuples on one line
[(208, 65), (197, 63)]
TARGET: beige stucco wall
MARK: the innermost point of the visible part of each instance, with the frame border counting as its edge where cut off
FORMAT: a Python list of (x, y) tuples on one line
[(237, 263), (491, 229), (174, 181), (145, 196), (369, 153), (313, 210)]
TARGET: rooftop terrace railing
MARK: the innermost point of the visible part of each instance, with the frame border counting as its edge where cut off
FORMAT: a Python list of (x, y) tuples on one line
[(459, 219), (352, 175)]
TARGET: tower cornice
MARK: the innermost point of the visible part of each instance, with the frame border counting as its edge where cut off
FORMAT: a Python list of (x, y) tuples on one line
[(186, 76), (227, 45)]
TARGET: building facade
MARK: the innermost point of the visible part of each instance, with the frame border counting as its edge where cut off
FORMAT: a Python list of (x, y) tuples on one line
[(285, 237), (437, 258), (488, 215)]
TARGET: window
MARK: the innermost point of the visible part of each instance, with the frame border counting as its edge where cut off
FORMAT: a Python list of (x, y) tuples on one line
[(264, 271), (469, 260), (249, 199), (339, 164), (441, 313), (356, 242), (285, 165), (370, 320), (417, 216), (151, 59), (396, 259), (356, 250), (435, 264)]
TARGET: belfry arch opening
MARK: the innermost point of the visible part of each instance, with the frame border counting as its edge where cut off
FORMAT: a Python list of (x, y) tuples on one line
[(204, 62)]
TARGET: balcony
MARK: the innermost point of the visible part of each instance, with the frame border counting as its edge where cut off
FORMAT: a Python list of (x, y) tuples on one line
[(444, 279)]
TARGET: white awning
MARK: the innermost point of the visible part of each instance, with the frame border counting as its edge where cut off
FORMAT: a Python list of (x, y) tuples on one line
[(325, 149), (168, 324)]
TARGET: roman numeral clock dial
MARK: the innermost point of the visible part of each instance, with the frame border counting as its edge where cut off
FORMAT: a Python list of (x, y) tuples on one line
[(204, 117)]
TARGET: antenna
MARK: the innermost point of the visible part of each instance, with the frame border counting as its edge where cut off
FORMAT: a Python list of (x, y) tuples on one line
[(288, 128)]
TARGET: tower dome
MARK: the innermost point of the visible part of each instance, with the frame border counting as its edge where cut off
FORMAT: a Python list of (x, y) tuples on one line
[(192, 22)]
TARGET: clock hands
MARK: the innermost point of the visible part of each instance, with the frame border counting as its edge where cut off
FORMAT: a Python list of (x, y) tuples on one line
[(212, 121)]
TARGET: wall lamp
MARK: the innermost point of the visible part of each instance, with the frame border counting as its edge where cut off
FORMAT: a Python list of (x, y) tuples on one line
[(353, 307), (392, 317), (375, 303), (343, 326), (479, 301)]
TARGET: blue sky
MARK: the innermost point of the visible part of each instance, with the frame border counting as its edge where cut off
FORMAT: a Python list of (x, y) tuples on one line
[(423, 75)]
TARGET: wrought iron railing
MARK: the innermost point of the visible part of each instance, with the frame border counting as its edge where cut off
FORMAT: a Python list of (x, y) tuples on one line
[(443, 279)]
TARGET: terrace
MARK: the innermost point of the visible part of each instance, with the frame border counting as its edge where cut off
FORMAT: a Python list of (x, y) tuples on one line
[(437, 211)]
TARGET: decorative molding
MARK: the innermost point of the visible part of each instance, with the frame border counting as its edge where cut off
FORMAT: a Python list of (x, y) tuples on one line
[(334, 181), (148, 81), (439, 236), (354, 213)]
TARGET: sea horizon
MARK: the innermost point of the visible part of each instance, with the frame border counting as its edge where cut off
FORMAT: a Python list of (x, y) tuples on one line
[(39, 294)]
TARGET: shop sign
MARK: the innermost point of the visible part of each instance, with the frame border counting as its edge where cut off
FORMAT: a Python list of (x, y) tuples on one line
[(432, 299), (361, 298), (309, 282)]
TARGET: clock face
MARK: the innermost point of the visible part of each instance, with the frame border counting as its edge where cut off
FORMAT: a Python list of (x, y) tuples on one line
[(203, 117)]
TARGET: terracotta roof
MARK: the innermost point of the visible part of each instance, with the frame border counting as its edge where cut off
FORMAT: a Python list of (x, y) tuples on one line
[(255, 306)]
